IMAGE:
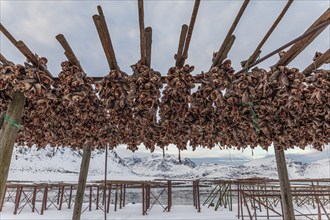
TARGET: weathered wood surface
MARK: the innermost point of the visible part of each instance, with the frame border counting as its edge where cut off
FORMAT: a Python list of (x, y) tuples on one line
[(142, 33), (82, 182), (286, 196), (306, 34), (68, 52), (298, 47), (178, 57), (148, 36), (317, 63), (105, 39), (8, 134), (219, 57), (257, 51)]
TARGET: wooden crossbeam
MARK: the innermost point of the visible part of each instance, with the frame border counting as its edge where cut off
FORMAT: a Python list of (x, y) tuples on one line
[(68, 52), (105, 38), (183, 35), (257, 51), (191, 28), (20, 45), (317, 63), (220, 54), (148, 36), (299, 46), (229, 46), (142, 33), (316, 29), (7, 34)]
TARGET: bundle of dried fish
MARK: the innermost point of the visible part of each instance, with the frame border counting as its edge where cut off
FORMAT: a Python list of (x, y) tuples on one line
[(145, 85), (174, 107)]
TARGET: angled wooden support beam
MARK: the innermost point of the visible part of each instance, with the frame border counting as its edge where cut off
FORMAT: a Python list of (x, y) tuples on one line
[(142, 33), (324, 58), (20, 45), (4, 60), (257, 51), (320, 26), (7, 34), (219, 57), (299, 46), (229, 46), (191, 28), (148, 35), (68, 52), (178, 55), (105, 39)]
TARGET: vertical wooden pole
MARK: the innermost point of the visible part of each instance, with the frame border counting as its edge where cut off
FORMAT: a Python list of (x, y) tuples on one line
[(116, 197), (109, 197), (82, 182), (70, 197), (34, 198), (61, 199), (90, 197), (17, 198), (124, 195), (97, 197), (286, 196), (198, 197), (8, 136), (143, 198), (121, 196), (3, 199), (169, 195)]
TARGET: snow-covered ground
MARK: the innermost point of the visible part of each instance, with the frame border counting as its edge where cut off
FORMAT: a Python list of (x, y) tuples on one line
[(130, 212)]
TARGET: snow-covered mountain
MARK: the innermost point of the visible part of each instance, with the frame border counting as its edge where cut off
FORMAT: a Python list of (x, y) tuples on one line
[(264, 167), (63, 164), (159, 166)]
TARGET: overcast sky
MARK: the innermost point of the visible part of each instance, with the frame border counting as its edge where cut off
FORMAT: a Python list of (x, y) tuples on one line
[(38, 22)]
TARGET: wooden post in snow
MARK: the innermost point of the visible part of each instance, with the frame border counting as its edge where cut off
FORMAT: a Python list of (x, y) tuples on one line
[(82, 181), (8, 133), (286, 196)]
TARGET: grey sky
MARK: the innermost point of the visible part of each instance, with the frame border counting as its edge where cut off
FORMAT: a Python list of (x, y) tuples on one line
[(38, 22)]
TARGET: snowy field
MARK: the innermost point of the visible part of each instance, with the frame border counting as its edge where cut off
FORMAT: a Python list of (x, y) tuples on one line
[(133, 212)]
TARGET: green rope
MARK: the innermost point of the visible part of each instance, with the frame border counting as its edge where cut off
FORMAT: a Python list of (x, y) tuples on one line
[(11, 122), (254, 115)]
